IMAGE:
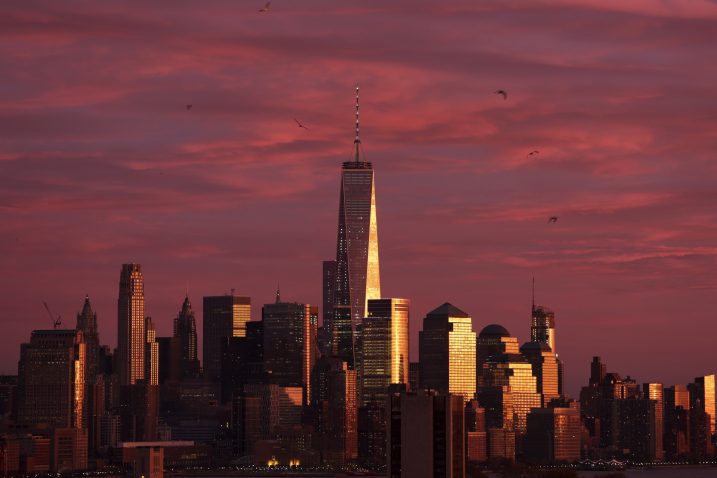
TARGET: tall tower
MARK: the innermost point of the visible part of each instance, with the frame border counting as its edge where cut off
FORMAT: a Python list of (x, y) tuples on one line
[(357, 269), (185, 330), (87, 323), (131, 334)]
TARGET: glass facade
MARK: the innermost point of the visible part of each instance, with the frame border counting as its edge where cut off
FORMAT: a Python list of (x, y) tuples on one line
[(357, 267), (447, 352), (384, 347)]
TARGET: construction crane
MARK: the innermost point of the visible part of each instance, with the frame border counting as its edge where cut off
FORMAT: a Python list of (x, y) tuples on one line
[(56, 322)]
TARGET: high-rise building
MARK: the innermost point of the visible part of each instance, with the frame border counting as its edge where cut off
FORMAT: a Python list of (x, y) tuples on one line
[(357, 266), (87, 323), (384, 347), (242, 361), (287, 343), (447, 352), (542, 326), (515, 372), (333, 404), (151, 358), (676, 423), (224, 316), (553, 434), (328, 286), (545, 368), (493, 340), (185, 329), (704, 390), (51, 379), (131, 336), (653, 392), (427, 435)]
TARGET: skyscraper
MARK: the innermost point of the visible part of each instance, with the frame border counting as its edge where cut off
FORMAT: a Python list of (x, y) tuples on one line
[(357, 267), (287, 343), (151, 358), (185, 330), (224, 316), (131, 337), (447, 352), (87, 323), (384, 347), (542, 326), (328, 285), (51, 382)]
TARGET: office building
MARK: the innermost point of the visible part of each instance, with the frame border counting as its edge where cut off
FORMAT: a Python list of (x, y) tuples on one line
[(131, 335), (384, 347), (185, 330), (224, 316), (447, 348)]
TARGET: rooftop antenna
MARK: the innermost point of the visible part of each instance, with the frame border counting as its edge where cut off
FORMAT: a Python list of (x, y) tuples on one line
[(278, 293), (357, 141), (533, 309)]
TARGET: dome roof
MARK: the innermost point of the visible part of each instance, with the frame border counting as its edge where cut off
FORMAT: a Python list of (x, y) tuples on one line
[(542, 346), (494, 331)]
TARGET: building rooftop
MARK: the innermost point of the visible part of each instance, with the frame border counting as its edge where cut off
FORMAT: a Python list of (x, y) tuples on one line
[(449, 310), (494, 331)]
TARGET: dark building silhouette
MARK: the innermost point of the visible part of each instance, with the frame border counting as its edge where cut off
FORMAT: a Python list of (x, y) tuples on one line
[(677, 423), (288, 346), (372, 435), (243, 361), (185, 330), (334, 410), (224, 316), (430, 443), (553, 433), (51, 379), (328, 285)]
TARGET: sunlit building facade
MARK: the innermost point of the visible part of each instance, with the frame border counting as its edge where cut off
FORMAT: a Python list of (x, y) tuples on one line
[(131, 335), (447, 348), (357, 266), (384, 347), (545, 369), (515, 372), (542, 326)]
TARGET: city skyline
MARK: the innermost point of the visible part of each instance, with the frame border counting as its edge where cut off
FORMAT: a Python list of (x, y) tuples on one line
[(203, 201)]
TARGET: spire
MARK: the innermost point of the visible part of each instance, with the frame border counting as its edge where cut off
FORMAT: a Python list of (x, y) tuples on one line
[(533, 308), (186, 306), (278, 293), (86, 307), (357, 141)]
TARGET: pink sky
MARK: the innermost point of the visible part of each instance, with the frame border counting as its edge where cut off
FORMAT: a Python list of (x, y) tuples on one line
[(102, 164)]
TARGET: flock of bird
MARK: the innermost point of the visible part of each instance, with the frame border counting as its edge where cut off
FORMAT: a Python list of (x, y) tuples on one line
[(503, 93)]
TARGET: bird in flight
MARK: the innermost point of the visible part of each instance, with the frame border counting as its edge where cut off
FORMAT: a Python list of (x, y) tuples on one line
[(301, 125), (533, 153), (189, 107), (266, 8), (553, 219), (503, 93)]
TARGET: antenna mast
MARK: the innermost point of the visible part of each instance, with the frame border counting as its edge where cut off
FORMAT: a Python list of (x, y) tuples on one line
[(357, 141)]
